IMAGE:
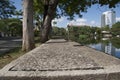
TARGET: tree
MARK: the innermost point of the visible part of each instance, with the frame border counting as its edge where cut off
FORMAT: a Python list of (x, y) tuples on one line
[(49, 12), (18, 13), (2, 28), (11, 27), (98, 32), (28, 34), (106, 28), (116, 42), (6, 8), (15, 27), (93, 30), (59, 32), (116, 29), (70, 8)]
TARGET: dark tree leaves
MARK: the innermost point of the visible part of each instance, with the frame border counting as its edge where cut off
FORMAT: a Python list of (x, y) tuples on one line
[(76, 7), (6, 8)]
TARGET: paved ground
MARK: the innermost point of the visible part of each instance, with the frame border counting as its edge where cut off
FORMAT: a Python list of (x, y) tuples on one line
[(55, 56), (62, 60), (6, 44)]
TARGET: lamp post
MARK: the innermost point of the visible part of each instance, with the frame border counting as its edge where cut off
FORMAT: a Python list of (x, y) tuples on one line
[(67, 30)]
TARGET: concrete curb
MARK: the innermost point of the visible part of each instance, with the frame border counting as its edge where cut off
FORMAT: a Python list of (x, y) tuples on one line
[(110, 73)]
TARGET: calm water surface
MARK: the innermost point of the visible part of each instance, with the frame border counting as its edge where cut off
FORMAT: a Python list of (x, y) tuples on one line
[(109, 46)]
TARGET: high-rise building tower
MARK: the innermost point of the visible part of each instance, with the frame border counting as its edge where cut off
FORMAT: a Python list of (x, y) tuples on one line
[(108, 18), (103, 20)]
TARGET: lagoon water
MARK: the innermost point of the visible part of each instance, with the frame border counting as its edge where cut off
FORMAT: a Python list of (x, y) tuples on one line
[(107, 45)]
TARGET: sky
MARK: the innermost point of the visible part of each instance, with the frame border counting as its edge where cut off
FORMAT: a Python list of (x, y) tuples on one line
[(92, 17)]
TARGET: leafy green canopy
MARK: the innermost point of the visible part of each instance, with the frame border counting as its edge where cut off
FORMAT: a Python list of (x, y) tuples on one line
[(75, 7), (116, 29), (71, 8), (11, 26), (6, 8)]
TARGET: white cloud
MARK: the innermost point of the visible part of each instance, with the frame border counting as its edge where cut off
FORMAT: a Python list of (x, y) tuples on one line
[(83, 21), (80, 21), (58, 19), (118, 19), (92, 22)]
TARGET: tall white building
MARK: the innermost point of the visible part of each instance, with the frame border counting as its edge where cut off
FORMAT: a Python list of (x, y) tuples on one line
[(108, 18)]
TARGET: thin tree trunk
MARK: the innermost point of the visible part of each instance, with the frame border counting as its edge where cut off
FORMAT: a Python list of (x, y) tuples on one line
[(46, 29), (49, 12), (28, 33)]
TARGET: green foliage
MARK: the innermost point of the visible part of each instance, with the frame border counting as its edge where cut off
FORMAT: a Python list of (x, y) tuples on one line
[(75, 7), (85, 30), (105, 28), (111, 3), (71, 8), (11, 27), (38, 14), (83, 34), (76, 32), (73, 33), (37, 33), (58, 32), (98, 31), (116, 29), (6, 8), (116, 42), (2, 25), (68, 8), (15, 27), (38, 7), (95, 31), (18, 13), (106, 42)]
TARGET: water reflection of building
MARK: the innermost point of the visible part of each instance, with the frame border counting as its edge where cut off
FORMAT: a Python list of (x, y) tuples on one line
[(108, 48)]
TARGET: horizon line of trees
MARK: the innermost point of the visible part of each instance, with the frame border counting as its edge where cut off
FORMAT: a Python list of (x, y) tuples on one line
[(81, 32), (114, 30)]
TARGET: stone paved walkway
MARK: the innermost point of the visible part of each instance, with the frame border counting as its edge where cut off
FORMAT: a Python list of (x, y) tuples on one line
[(61, 58), (53, 56)]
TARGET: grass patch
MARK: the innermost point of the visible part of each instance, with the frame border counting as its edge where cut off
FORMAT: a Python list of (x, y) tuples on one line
[(37, 41), (14, 54), (11, 55)]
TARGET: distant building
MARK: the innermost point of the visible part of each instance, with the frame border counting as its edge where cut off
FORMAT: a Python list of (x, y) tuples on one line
[(108, 18)]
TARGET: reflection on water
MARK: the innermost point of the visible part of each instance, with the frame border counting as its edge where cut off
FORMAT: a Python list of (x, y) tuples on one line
[(109, 46)]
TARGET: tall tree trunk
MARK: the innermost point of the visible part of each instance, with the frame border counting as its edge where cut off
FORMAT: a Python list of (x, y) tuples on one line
[(49, 12), (28, 33), (46, 5)]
